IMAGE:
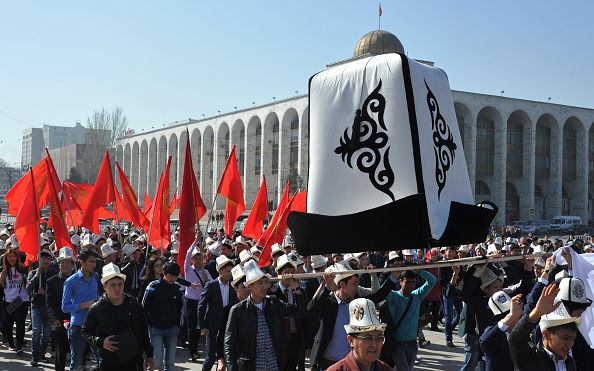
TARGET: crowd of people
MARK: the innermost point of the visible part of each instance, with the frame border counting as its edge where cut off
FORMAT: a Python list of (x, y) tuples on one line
[(127, 305)]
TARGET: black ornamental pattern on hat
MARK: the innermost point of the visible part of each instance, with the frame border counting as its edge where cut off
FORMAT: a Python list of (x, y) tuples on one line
[(443, 142), (369, 143)]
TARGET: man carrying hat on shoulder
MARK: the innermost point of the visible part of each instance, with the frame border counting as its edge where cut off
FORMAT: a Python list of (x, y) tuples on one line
[(559, 331), (365, 335), (255, 333), (53, 300), (116, 325)]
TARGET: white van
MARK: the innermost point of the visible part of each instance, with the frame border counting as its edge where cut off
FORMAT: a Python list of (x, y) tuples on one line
[(563, 222)]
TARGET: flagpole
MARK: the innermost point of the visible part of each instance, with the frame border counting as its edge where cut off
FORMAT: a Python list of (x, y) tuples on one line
[(148, 240), (448, 263), (37, 223), (202, 250), (210, 214), (57, 200), (68, 208)]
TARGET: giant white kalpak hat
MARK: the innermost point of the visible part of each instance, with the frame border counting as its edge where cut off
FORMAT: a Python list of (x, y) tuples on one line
[(363, 317), (318, 261), (500, 303), (558, 317), (253, 272), (66, 253), (384, 142), (111, 271), (573, 290), (283, 261)]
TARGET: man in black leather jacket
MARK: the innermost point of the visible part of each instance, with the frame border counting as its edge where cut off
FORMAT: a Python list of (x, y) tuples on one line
[(255, 332), (110, 318)]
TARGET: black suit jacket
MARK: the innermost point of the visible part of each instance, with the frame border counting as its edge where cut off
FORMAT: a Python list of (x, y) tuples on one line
[(210, 306), (326, 306)]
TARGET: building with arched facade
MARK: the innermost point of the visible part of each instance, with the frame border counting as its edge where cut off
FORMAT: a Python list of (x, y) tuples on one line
[(521, 154)]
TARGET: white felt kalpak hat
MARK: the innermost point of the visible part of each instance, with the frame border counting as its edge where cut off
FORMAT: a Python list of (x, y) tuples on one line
[(573, 290), (558, 317), (283, 261), (342, 270), (562, 274), (253, 272), (276, 250), (464, 248), (75, 239), (4, 232), (14, 243), (492, 248), (500, 302), (246, 255), (2, 245), (498, 241), (222, 261), (408, 252), (215, 249), (318, 261), (111, 271), (393, 255), (351, 256), (536, 249), (66, 253), (106, 250), (540, 262), (129, 250), (175, 247), (363, 317), (295, 259), (255, 249), (46, 251), (238, 273), (88, 240), (488, 277)]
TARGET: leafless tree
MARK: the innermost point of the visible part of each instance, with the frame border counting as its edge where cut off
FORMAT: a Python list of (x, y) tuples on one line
[(103, 129)]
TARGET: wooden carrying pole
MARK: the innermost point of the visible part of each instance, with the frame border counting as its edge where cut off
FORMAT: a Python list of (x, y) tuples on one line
[(448, 263)]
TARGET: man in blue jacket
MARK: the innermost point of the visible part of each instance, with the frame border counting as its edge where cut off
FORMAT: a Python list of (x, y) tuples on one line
[(406, 303)]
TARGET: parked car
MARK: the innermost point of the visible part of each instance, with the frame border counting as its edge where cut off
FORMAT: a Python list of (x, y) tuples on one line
[(579, 229), (537, 227)]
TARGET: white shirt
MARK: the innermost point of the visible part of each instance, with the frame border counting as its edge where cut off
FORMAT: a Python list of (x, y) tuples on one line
[(560, 364), (224, 292)]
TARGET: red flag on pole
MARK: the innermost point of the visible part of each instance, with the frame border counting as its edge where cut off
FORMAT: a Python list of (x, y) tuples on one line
[(191, 207), (275, 233), (230, 188), (41, 174), (380, 9), (26, 224), (118, 210), (160, 232), (173, 203), (148, 203), (56, 220), (103, 193), (259, 212), (281, 205), (133, 212)]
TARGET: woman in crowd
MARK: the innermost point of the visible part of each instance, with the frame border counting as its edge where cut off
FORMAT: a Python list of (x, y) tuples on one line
[(16, 299), (154, 271)]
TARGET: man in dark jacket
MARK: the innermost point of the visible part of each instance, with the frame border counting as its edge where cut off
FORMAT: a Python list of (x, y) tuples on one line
[(559, 331), (53, 301), (42, 326), (255, 333), (117, 316), (162, 305)]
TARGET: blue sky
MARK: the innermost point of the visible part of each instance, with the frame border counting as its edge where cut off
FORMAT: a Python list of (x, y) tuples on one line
[(163, 61)]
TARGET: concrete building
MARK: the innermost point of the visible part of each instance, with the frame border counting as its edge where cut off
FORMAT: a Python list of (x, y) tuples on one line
[(36, 140), (535, 160), (65, 158)]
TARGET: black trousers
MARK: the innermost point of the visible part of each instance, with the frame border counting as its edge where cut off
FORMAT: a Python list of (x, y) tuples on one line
[(17, 316), (192, 323), (292, 353), (62, 347)]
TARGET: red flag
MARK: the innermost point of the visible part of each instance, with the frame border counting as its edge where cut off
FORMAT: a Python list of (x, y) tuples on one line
[(56, 220), (118, 210), (281, 205), (133, 212), (380, 9), (147, 204), (191, 207), (173, 203), (41, 174), (299, 202), (160, 232), (26, 226), (77, 194), (275, 233), (230, 187), (103, 193), (259, 212)]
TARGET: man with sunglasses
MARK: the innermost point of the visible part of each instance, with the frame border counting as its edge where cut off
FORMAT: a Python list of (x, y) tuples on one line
[(365, 334)]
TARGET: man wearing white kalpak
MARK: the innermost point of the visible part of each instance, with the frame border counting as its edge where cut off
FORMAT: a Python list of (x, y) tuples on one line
[(559, 331), (365, 336)]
